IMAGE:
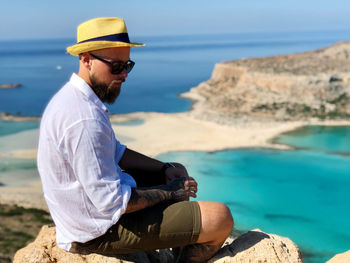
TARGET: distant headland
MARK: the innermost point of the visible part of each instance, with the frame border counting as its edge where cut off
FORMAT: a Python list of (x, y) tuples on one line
[(4, 116), (303, 86)]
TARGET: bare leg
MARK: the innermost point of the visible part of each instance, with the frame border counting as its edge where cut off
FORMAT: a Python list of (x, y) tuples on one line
[(217, 224)]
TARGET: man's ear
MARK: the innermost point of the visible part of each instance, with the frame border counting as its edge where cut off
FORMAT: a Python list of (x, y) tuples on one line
[(85, 60)]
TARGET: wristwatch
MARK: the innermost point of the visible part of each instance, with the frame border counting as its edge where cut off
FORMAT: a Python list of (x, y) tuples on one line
[(166, 166)]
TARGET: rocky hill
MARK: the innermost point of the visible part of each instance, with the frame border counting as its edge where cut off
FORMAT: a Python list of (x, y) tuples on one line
[(306, 85)]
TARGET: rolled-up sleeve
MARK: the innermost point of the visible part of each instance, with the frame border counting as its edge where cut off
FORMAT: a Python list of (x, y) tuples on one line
[(90, 147)]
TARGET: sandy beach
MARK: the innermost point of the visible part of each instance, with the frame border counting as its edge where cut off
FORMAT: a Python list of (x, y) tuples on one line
[(153, 134)]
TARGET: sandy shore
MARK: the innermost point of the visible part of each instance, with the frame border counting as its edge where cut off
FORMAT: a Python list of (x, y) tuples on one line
[(160, 133), (156, 133)]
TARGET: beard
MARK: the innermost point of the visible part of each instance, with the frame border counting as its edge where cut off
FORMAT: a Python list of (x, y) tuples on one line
[(106, 93)]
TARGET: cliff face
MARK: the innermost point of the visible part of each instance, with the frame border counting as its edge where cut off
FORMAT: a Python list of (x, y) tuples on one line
[(314, 84), (254, 246)]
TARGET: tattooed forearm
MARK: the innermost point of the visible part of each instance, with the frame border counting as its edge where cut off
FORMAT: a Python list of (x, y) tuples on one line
[(145, 197), (141, 198), (197, 253)]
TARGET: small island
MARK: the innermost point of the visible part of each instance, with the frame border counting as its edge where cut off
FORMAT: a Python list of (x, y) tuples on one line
[(10, 86)]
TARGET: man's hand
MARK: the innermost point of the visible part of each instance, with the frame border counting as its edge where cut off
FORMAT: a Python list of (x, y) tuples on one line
[(183, 188), (177, 171), (179, 189)]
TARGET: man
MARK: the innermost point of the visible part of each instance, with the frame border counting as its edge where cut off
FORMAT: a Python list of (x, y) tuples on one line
[(106, 198)]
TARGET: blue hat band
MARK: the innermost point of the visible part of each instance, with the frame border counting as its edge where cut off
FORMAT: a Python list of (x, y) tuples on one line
[(122, 37)]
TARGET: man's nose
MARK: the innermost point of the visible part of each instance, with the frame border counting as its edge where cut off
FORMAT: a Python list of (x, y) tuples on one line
[(124, 74)]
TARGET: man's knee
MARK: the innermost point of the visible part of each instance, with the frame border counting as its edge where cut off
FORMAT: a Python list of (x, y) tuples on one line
[(217, 221), (225, 219)]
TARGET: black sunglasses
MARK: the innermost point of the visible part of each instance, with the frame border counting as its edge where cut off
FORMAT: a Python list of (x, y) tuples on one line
[(117, 67)]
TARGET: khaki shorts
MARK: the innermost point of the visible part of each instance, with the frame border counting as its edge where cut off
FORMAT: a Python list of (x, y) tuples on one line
[(162, 226)]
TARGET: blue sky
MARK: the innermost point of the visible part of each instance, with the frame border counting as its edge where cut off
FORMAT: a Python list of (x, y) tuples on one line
[(23, 19)]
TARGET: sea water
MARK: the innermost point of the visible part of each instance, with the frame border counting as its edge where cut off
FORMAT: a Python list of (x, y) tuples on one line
[(165, 67), (301, 194), (11, 127), (17, 136), (320, 138)]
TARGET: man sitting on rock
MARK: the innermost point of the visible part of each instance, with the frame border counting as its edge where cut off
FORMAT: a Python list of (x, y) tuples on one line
[(103, 197)]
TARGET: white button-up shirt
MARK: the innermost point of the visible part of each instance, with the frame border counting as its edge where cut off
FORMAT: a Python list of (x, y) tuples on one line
[(78, 155)]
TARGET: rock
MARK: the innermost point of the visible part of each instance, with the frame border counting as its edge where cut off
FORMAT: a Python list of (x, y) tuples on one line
[(10, 86), (340, 258), (257, 246), (45, 250), (254, 246), (5, 259), (334, 78), (289, 87)]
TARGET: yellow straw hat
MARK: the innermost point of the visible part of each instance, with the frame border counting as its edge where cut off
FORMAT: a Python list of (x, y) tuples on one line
[(100, 33)]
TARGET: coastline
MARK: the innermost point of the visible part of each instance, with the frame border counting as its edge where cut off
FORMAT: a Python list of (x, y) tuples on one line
[(9, 117), (157, 133)]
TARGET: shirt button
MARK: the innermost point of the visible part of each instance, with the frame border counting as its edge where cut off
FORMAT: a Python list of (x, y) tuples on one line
[(111, 231)]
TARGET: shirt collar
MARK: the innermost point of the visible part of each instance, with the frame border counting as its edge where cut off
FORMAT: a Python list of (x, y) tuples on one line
[(82, 86)]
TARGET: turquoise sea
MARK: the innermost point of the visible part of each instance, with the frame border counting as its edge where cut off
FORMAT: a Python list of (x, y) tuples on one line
[(301, 194)]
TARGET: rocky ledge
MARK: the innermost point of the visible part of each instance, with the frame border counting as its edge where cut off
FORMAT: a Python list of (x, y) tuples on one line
[(306, 85), (10, 86), (253, 246), (340, 258)]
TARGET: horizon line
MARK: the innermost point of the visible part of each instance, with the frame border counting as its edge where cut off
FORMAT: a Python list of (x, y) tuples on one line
[(192, 34)]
